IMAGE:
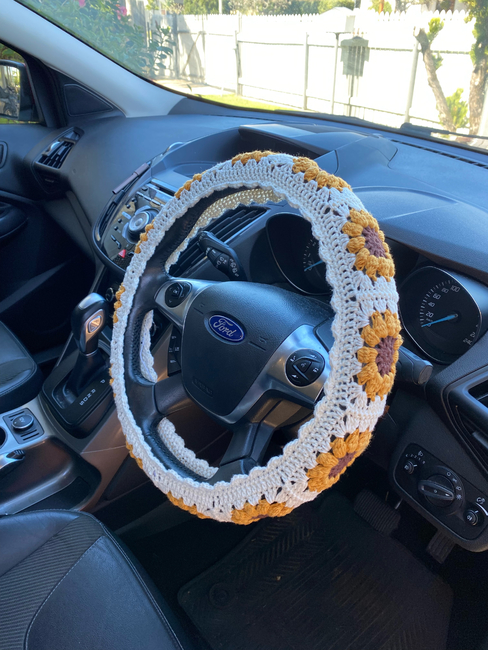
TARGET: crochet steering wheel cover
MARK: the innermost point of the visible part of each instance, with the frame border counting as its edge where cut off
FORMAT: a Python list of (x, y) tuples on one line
[(365, 329)]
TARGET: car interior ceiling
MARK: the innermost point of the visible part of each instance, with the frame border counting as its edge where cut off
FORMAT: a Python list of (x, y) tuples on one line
[(373, 562)]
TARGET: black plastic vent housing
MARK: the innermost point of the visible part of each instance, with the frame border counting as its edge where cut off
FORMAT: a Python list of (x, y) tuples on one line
[(51, 160), (225, 227)]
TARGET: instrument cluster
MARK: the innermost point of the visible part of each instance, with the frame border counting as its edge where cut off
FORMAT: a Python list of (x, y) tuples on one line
[(443, 312)]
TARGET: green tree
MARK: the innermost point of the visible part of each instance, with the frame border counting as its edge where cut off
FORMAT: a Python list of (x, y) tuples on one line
[(327, 5), (203, 7), (381, 5), (478, 9), (432, 63), (10, 55), (458, 108), (104, 25)]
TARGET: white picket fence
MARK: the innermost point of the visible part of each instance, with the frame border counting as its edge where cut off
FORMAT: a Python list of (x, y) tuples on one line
[(296, 61)]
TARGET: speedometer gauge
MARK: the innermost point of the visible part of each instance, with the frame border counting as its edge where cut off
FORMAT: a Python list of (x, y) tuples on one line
[(313, 266), (443, 312)]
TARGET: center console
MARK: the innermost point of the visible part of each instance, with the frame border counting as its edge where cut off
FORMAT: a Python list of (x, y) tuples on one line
[(119, 231)]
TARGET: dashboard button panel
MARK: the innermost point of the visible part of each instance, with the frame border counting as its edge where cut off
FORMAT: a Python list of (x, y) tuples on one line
[(121, 229), (450, 498)]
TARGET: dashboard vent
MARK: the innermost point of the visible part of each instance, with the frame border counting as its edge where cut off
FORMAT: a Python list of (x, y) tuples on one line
[(55, 155), (469, 406), (225, 227), (52, 158), (470, 161)]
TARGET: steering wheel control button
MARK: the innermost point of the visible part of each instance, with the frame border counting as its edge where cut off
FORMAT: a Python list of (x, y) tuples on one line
[(176, 293), (23, 422), (174, 352), (304, 366)]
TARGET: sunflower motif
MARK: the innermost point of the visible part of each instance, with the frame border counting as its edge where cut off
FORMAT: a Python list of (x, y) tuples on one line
[(331, 465), (249, 514), (181, 504), (367, 242), (379, 353)]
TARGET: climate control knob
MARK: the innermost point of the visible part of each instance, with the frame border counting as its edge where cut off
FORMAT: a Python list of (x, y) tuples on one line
[(139, 221)]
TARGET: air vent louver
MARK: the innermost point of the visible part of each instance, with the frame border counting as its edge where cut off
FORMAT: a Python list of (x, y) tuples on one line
[(52, 158), (225, 227), (469, 406), (56, 154)]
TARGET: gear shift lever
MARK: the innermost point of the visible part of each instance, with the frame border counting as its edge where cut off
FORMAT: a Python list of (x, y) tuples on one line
[(87, 322)]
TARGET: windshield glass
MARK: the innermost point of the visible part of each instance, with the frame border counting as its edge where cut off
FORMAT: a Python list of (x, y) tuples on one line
[(392, 63)]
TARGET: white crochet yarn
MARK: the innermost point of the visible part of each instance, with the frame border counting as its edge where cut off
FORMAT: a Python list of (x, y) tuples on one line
[(344, 407)]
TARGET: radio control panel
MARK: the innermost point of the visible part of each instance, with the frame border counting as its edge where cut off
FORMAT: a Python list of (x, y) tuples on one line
[(124, 226)]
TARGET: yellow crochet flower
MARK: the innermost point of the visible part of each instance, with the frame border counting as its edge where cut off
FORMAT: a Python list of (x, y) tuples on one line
[(367, 242), (312, 172), (181, 504), (251, 155), (263, 509), (331, 465), (379, 354)]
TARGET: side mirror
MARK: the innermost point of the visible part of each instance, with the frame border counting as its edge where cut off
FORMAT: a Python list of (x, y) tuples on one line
[(16, 98)]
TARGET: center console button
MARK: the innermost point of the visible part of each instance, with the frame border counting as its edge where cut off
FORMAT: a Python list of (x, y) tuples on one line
[(471, 517), (23, 422), (409, 467), (138, 222)]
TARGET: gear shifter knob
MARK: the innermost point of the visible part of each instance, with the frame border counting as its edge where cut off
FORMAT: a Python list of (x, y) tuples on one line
[(87, 321)]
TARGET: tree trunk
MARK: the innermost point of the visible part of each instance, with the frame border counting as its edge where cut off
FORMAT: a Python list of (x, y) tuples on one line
[(440, 99), (477, 94)]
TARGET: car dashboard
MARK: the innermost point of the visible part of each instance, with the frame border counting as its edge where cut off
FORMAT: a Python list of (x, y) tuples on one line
[(430, 201)]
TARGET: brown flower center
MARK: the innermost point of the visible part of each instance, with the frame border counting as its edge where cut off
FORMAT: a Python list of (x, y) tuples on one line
[(343, 462), (384, 359), (373, 242)]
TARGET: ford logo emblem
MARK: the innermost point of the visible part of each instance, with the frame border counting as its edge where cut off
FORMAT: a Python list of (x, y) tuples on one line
[(226, 328)]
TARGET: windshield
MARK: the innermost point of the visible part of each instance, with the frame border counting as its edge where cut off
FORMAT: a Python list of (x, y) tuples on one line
[(423, 66)]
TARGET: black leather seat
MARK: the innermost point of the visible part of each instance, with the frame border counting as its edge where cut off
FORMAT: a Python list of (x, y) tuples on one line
[(20, 378), (66, 582)]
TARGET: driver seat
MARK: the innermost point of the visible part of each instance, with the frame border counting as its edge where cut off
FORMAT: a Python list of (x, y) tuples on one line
[(66, 582)]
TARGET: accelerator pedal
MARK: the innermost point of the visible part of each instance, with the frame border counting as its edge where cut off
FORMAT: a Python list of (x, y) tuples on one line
[(378, 514), (440, 546)]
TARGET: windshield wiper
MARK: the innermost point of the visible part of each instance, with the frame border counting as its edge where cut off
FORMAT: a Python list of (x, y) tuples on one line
[(416, 129)]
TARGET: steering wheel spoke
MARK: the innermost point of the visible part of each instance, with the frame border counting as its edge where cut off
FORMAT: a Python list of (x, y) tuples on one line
[(170, 395), (251, 438), (278, 376)]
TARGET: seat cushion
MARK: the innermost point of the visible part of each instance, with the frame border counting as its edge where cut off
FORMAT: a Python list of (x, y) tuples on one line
[(66, 582), (20, 378)]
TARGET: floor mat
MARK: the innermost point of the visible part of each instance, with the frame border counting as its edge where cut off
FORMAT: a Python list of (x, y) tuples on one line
[(319, 579)]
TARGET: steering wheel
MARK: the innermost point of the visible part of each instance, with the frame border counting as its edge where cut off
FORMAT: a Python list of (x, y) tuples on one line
[(252, 355)]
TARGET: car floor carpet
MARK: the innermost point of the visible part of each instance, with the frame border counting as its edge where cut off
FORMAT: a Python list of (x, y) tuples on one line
[(320, 578)]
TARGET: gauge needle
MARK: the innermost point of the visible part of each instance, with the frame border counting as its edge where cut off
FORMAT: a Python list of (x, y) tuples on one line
[(316, 264), (441, 320)]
